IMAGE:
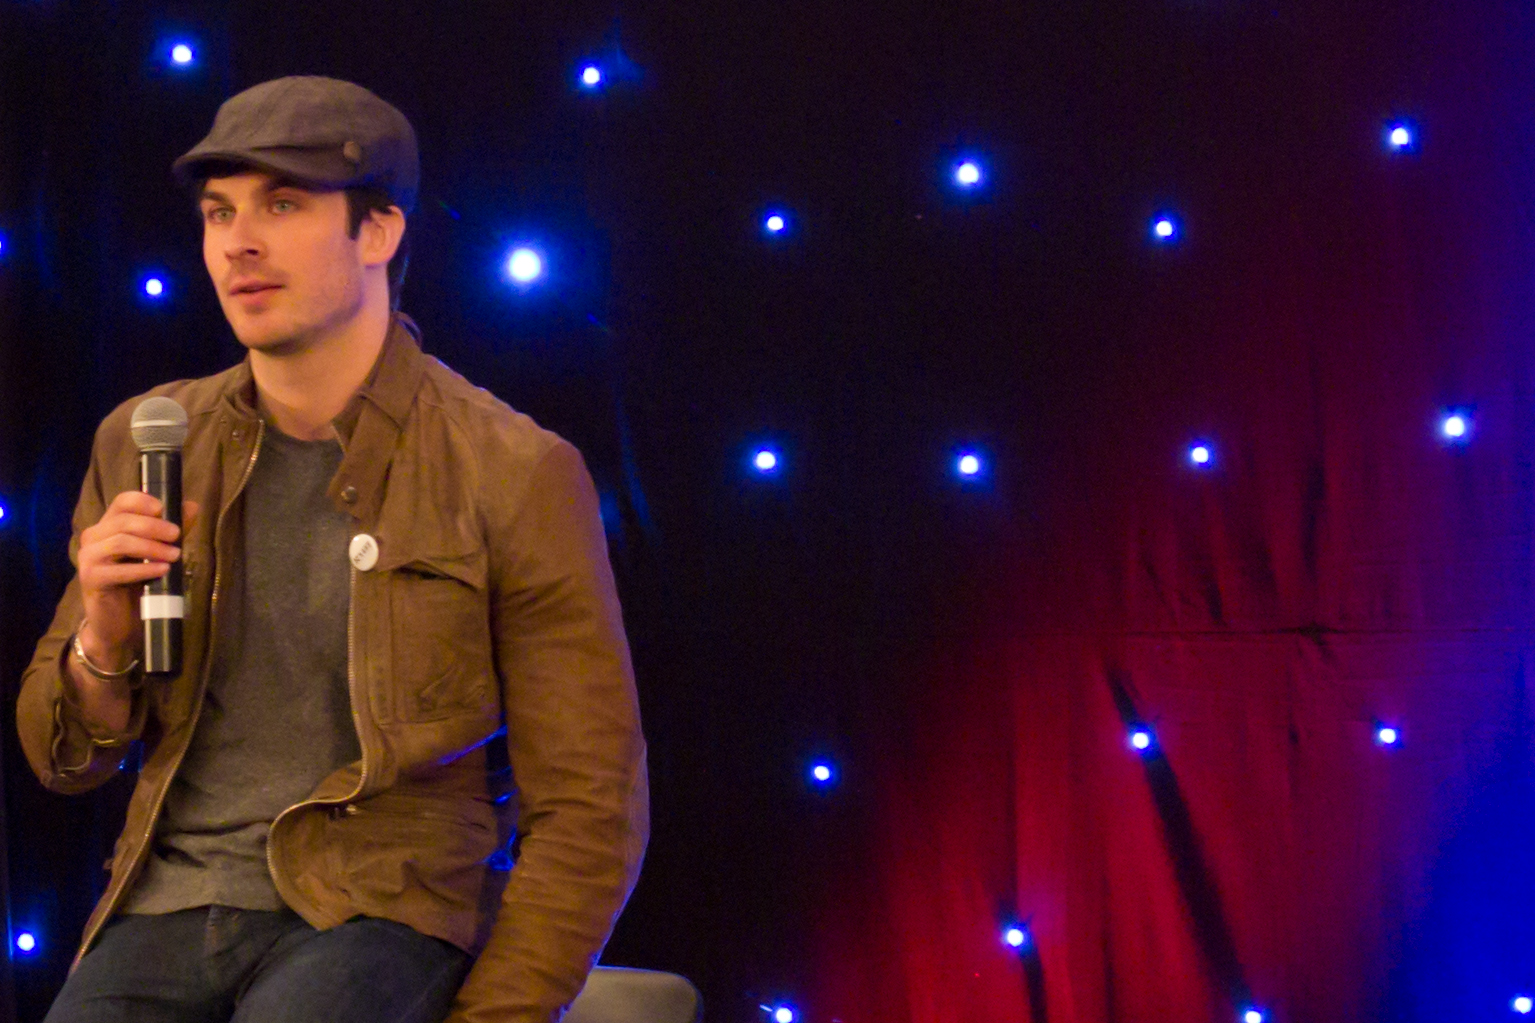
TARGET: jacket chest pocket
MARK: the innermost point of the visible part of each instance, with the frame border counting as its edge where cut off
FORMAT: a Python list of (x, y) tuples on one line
[(440, 664)]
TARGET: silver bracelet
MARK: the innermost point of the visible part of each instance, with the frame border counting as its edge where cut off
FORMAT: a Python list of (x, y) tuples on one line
[(93, 670)]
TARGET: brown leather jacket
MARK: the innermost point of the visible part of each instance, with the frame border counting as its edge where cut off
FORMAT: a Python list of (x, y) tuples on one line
[(491, 606)]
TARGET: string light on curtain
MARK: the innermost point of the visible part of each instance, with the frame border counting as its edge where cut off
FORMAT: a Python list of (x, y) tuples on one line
[(766, 461), (1201, 455), (182, 54), (1388, 735), (1522, 1004), (591, 76), (967, 174), (1142, 739), (1015, 936), (780, 1013), (1401, 136), (1455, 427), (1164, 228), (1251, 1015)]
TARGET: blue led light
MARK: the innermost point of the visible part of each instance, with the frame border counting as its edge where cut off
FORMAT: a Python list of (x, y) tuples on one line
[(1522, 1004), (1164, 228), (1388, 735), (524, 265), (775, 223), (967, 174), (968, 465), (26, 943), (1141, 739), (2, 513), (154, 287), (182, 54), (1455, 427), (1252, 1016), (591, 76), (785, 1014), (1201, 455), (822, 773), (1014, 936), (1401, 137), (765, 460)]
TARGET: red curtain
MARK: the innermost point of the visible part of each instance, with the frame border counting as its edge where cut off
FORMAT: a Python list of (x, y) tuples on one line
[(1340, 564)]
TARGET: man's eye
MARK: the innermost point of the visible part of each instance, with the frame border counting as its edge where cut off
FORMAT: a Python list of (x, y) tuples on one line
[(284, 205), (218, 214)]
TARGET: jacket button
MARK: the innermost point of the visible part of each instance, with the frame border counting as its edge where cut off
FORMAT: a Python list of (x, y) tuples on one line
[(349, 494), (363, 552)]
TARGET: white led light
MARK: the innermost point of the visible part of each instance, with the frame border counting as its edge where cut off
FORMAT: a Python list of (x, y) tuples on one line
[(26, 942), (1455, 426), (821, 773), (1015, 937), (591, 76), (154, 287), (1200, 454), (765, 460), (181, 53), (1140, 739), (968, 465), (967, 174), (525, 266)]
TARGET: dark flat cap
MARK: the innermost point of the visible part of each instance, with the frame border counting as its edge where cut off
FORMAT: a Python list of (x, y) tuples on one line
[(319, 131)]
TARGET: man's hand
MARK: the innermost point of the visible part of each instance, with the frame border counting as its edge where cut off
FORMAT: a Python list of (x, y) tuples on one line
[(131, 545)]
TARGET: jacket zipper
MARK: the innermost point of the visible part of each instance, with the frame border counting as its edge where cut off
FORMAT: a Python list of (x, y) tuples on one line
[(351, 691), (213, 610), (362, 745)]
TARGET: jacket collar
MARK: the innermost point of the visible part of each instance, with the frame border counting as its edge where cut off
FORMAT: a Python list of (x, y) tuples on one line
[(369, 424), (390, 387)]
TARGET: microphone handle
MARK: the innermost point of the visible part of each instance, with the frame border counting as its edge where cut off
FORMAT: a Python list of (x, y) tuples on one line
[(163, 605)]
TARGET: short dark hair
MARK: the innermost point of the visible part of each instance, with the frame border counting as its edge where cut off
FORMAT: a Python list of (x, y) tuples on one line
[(359, 203)]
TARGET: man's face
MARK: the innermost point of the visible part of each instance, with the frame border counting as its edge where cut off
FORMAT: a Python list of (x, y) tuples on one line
[(287, 274)]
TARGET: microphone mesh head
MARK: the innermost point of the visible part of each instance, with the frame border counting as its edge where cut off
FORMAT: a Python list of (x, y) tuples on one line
[(159, 424)]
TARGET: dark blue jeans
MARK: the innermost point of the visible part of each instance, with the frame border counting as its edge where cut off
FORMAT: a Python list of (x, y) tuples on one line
[(222, 965)]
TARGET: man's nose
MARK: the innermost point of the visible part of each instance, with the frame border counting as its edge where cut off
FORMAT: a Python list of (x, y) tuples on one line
[(243, 238)]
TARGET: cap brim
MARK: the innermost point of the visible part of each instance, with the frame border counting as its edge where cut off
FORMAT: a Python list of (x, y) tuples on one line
[(298, 165)]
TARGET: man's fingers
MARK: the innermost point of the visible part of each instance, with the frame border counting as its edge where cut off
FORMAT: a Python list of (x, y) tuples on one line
[(125, 573), (132, 524), (135, 502), (127, 546)]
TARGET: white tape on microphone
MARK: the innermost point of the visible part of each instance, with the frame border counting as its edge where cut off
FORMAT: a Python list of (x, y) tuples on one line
[(162, 605)]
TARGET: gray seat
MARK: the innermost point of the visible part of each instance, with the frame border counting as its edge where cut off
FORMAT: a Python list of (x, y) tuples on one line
[(617, 994)]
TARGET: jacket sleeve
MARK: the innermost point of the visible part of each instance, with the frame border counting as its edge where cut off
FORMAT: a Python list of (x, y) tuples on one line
[(68, 753), (577, 752)]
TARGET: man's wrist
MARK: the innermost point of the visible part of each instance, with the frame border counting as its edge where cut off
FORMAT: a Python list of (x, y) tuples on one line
[(100, 660)]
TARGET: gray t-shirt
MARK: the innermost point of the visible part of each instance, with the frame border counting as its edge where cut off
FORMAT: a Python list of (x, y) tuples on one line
[(277, 716)]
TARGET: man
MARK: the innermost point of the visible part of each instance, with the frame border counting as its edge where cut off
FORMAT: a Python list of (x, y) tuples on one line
[(402, 641)]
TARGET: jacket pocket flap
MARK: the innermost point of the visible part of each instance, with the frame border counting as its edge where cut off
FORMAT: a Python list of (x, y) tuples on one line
[(470, 568)]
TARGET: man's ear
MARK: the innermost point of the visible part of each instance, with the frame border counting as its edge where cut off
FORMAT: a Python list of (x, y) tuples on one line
[(380, 234)]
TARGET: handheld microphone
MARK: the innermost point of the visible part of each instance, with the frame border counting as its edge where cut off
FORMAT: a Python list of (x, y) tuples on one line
[(159, 428)]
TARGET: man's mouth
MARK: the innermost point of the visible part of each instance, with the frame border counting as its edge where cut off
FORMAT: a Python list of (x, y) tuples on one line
[(253, 287)]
